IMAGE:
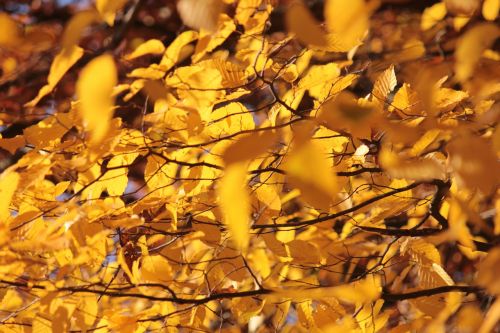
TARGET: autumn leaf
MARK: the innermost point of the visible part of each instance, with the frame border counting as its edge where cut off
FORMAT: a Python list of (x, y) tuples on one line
[(471, 46), (94, 90), (61, 64), (235, 204), (108, 9), (200, 14), (306, 29)]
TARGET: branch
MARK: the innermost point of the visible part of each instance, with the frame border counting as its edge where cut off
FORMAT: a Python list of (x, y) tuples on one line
[(339, 214), (430, 292)]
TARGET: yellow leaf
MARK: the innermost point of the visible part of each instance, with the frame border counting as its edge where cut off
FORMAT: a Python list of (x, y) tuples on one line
[(311, 171), (471, 46), (268, 195), (235, 203), (433, 15), (41, 325), (200, 14), (209, 41), (62, 62), (406, 102), (385, 83), (346, 112), (348, 20), (174, 51), (472, 160), (361, 291), (12, 301), (462, 7), (108, 9), (232, 75), (425, 141), (245, 308), (319, 77), (152, 46), (75, 27), (305, 27), (155, 268), (8, 185), (422, 169), (249, 147), (11, 33), (12, 144), (94, 89), (490, 9)]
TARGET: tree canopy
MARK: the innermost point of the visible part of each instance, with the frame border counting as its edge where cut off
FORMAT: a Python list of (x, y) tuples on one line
[(249, 166)]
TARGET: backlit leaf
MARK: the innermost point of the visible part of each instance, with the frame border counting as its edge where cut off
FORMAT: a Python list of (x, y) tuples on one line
[(200, 14), (108, 9), (94, 89), (8, 186), (312, 173), (306, 29), (471, 46), (490, 9), (433, 15), (235, 203), (249, 147), (61, 64), (152, 46)]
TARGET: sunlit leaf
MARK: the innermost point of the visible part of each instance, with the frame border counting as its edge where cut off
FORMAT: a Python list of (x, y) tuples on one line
[(471, 46), (94, 89), (61, 64), (490, 9), (235, 203), (200, 14), (249, 147), (152, 46), (348, 20), (10, 30), (108, 9), (312, 173), (306, 29), (433, 15), (8, 186)]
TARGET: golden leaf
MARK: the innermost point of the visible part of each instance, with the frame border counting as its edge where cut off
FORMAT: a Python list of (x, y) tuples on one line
[(8, 185), (209, 41), (11, 33), (152, 46), (249, 147), (385, 83), (433, 15), (62, 62), (490, 9), (75, 27), (359, 292), (12, 144), (234, 203), (422, 169), (470, 47), (311, 171), (200, 14), (94, 89), (472, 159), (305, 27), (108, 9), (348, 20), (174, 52), (155, 268)]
